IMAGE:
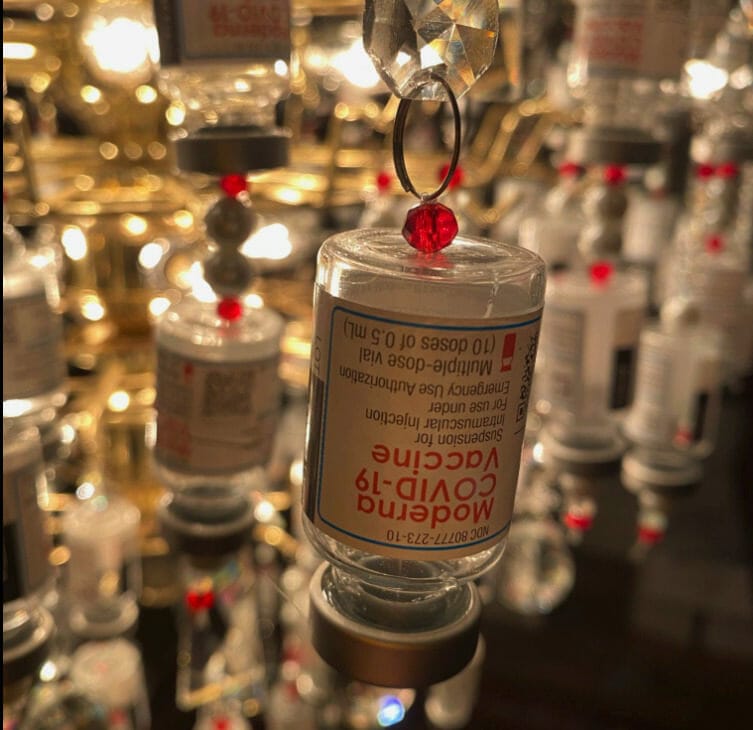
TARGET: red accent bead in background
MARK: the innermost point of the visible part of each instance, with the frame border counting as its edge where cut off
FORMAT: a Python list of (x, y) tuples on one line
[(229, 309), (683, 437), (455, 180), (430, 227), (581, 523), (714, 244), (601, 272), (220, 723), (728, 170), (199, 600), (570, 169), (233, 185), (614, 175), (649, 535), (704, 171), (383, 181)]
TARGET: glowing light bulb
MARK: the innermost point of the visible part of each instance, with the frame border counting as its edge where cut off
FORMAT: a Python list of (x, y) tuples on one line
[(119, 42), (151, 254), (74, 243), (704, 80), (356, 66), (269, 242)]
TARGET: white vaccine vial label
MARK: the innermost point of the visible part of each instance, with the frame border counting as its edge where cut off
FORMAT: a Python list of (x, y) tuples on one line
[(25, 543), (419, 426), (215, 417), (222, 30), (564, 343), (625, 38), (650, 417), (33, 362)]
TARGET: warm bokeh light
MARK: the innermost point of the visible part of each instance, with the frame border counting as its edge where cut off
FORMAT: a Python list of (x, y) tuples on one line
[(74, 243)]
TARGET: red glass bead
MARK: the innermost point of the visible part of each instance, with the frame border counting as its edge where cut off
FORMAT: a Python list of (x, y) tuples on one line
[(649, 535), (570, 169), (578, 522), (234, 185), (220, 723), (229, 309), (728, 170), (614, 175), (455, 180), (199, 600), (430, 227), (383, 182), (704, 171), (601, 272), (714, 244)]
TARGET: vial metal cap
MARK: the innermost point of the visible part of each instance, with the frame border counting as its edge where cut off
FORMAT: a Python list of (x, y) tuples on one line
[(605, 146), (661, 471), (194, 526), (392, 658), (23, 655), (580, 457), (228, 150)]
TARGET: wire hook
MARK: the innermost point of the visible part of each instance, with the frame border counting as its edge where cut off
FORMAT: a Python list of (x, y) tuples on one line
[(398, 153)]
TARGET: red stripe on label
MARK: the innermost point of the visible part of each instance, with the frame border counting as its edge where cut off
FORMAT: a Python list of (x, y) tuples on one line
[(508, 351)]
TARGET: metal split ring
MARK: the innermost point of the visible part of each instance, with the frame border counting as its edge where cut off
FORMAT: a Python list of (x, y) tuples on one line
[(398, 137)]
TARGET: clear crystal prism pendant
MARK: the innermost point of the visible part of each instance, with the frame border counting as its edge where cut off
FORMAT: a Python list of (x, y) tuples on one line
[(408, 39)]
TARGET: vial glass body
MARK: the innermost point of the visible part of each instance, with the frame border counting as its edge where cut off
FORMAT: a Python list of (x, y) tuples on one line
[(33, 360), (589, 344), (678, 390), (228, 65), (421, 368), (104, 571), (714, 280), (218, 394)]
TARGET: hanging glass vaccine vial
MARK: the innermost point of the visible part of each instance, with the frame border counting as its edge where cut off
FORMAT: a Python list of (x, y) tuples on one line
[(218, 388), (220, 653), (111, 674), (621, 50), (33, 361), (225, 66), (553, 232), (104, 570), (714, 278), (589, 347), (590, 342), (649, 224), (678, 383), (422, 360)]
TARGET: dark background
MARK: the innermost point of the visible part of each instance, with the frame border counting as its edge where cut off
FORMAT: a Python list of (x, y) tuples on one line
[(661, 644)]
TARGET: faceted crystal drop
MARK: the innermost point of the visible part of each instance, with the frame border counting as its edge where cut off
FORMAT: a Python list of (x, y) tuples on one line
[(430, 227), (407, 39)]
